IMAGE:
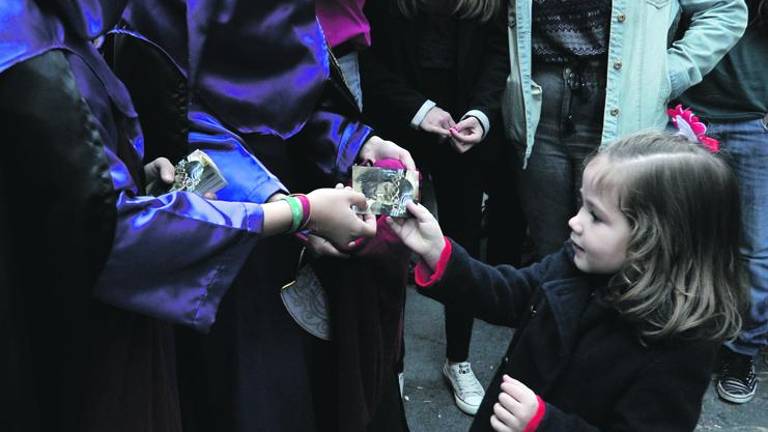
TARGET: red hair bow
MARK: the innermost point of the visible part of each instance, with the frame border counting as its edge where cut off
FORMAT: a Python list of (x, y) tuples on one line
[(689, 125)]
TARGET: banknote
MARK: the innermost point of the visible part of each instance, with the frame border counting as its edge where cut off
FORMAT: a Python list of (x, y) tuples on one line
[(386, 190), (195, 173)]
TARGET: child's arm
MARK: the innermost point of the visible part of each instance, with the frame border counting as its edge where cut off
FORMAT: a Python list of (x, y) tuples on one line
[(498, 295)]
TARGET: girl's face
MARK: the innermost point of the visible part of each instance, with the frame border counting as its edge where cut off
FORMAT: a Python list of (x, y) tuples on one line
[(599, 231)]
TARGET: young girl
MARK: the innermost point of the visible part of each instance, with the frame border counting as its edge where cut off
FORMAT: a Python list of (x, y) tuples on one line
[(620, 328)]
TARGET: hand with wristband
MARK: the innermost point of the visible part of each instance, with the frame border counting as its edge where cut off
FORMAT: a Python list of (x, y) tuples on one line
[(322, 247), (300, 211), (325, 212)]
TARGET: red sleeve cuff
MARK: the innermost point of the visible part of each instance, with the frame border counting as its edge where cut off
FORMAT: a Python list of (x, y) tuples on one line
[(536, 420), (424, 276)]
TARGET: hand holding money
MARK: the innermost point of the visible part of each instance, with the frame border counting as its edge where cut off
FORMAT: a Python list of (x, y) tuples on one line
[(333, 218), (159, 169), (195, 173)]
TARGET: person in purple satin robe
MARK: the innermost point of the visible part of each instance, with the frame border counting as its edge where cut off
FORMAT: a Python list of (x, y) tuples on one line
[(75, 226), (251, 84)]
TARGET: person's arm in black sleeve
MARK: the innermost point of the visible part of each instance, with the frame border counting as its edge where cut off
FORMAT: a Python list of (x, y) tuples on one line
[(487, 93)]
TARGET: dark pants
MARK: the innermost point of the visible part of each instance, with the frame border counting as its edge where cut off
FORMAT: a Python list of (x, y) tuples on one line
[(569, 130), (505, 224), (459, 193)]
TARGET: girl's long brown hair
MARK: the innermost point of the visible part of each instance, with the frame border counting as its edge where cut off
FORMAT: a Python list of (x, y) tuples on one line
[(683, 275), (481, 10)]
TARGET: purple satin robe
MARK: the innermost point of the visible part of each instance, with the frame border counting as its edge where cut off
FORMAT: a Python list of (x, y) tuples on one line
[(173, 256), (254, 70)]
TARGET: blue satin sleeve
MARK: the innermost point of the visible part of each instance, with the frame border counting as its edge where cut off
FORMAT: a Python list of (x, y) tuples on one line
[(332, 141), (247, 178), (174, 256)]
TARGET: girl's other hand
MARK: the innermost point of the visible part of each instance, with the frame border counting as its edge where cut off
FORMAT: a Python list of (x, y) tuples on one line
[(516, 406), (422, 233), (332, 216)]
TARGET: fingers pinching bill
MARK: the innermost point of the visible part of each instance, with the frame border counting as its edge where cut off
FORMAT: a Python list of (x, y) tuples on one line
[(407, 160), (368, 226), (358, 201), (167, 170), (418, 211)]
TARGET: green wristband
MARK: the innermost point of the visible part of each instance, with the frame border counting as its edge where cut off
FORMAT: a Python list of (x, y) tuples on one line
[(297, 212)]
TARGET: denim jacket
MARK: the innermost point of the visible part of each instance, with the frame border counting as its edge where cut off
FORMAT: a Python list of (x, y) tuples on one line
[(645, 70)]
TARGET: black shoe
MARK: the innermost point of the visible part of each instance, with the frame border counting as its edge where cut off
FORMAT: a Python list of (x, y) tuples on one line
[(737, 382)]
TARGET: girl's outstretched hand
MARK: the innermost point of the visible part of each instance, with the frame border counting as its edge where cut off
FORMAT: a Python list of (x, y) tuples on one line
[(334, 219), (516, 406), (422, 233)]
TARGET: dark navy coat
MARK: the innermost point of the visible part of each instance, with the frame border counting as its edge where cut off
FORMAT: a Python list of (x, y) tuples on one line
[(579, 355)]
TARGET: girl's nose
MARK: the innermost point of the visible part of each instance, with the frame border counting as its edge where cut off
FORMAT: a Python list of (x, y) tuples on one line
[(574, 224)]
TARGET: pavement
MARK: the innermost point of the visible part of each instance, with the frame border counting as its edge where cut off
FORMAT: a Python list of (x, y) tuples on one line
[(429, 404)]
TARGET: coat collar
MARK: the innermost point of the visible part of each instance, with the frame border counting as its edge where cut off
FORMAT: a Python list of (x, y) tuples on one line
[(571, 295)]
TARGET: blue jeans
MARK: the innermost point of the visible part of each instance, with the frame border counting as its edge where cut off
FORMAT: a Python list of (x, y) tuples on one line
[(746, 145), (569, 130)]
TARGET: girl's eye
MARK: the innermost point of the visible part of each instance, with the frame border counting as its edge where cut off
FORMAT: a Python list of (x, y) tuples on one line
[(595, 217)]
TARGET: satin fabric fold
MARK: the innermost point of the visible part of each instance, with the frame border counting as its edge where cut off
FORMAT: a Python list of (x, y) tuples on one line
[(260, 66), (145, 272)]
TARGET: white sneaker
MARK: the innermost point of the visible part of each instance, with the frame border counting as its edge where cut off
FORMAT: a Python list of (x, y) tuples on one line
[(467, 390)]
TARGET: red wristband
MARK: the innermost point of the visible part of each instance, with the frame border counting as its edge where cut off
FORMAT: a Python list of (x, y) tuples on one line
[(307, 210), (536, 420)]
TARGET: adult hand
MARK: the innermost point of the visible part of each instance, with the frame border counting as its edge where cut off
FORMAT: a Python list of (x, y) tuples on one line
[(437, 121), (516, 406), (160, 168), (163, 170), (466, 134), (334, 219), (422, 233), (376, 149), (322, 247)]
